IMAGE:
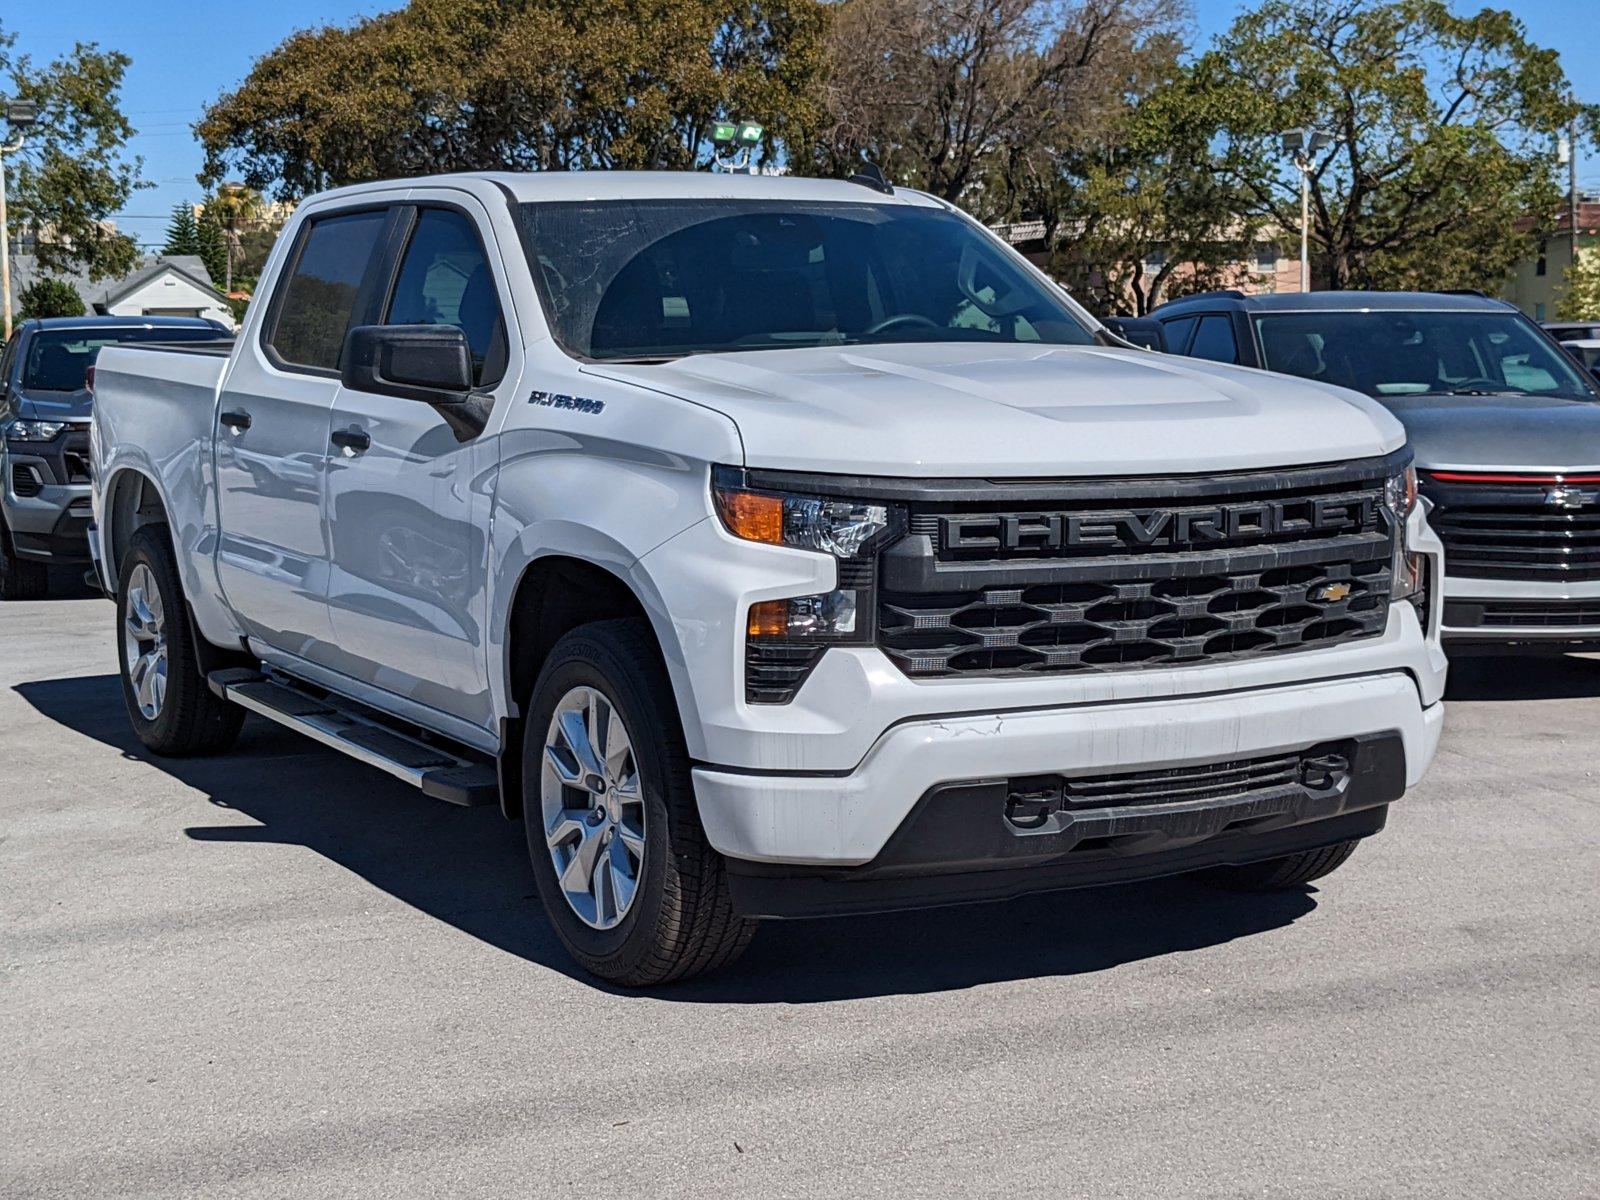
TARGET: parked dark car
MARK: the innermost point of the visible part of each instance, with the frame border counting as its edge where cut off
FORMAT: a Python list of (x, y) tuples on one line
[(44, 437), (1573, 331), (1505, 426)]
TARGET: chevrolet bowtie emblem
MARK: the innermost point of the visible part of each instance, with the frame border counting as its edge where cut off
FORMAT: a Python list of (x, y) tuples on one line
[(1568, 497), (1331, 592)]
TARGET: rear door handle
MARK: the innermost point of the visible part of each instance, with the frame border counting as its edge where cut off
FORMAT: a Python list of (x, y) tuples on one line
[(236, 421), (352, 441)]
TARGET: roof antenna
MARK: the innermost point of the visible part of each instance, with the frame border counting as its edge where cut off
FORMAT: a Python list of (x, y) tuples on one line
[(871, 175)]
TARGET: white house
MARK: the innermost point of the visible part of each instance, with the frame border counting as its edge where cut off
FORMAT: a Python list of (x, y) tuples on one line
[(175, 286)]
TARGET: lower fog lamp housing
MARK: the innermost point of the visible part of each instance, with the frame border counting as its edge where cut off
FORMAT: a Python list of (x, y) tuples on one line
[(785, 639)]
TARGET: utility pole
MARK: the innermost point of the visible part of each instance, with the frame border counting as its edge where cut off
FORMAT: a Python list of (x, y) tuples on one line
[(1572, 187), (19, 115)]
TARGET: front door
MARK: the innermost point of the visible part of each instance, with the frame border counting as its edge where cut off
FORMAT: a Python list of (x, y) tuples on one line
[(272, 438), (408, 501)]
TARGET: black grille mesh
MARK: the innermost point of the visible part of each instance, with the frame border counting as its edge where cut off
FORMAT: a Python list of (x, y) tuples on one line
[(1517, 542)]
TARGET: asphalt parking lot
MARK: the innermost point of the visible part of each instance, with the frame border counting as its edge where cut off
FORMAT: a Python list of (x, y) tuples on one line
[(281, 974)]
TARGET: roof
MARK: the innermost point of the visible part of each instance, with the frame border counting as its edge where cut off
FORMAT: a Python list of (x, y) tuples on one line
[(1336, 302), (25, 270), (656, 185)]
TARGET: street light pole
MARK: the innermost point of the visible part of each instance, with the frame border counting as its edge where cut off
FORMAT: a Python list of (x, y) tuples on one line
[(19, 116), (1300, 145)]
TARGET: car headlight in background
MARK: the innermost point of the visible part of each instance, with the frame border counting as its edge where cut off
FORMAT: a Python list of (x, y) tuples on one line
[(1410, 573), (34, 431), (786, 638)]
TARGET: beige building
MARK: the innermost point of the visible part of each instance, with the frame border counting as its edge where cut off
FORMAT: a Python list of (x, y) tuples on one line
[(1536, 285)]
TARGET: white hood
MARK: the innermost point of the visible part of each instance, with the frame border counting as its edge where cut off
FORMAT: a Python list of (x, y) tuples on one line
[(1017, 410)]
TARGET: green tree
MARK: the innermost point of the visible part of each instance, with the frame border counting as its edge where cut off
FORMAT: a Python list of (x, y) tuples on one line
[(987, 102), (183, 231), (445, 85), (49, 298), (199, 236), (1443, 125), (72, 172), (1580, 298)]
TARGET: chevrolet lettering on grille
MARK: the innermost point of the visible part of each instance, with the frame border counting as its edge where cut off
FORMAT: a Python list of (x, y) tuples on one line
[(1046, 532)]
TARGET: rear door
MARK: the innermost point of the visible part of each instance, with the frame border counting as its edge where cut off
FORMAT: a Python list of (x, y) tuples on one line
[(408, 503), (272, 439)]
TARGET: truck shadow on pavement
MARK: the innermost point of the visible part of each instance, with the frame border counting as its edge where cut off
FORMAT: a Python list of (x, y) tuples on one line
[(469, 869), (1525, 677)]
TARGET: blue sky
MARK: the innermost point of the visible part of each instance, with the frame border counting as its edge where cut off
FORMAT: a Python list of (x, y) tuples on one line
[(185, 54)]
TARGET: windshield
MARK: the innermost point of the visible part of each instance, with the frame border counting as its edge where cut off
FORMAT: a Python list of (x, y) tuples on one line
[(655, 279), (59, 359), (1420, 353)]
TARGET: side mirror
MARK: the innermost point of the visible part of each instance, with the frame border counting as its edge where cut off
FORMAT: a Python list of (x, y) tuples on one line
[(428, 363), (1138, 331)]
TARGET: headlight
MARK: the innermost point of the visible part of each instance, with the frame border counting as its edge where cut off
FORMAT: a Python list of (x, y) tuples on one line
[(786, 638), (842, 528), (1409, 568), (34, 431)]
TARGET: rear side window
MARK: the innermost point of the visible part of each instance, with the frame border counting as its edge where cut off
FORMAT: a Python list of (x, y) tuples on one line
[(319, 296), (1214, 340), (445, 280), (1177, 333)]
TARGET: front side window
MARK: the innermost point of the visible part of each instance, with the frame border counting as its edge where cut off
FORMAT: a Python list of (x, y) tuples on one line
[(657, 279), (58, 360), (445, 280), (319, 296), (1420, 353)]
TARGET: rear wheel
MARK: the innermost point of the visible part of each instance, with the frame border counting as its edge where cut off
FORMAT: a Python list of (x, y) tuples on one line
[(172, 709), (19, 578), (633, 889), (1278, 874)]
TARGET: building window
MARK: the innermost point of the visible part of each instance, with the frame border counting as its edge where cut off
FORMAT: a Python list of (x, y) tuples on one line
[(1538, 309), (1542, 267)]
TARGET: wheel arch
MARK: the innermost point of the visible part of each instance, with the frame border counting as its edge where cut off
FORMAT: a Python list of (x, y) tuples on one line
[(555, 594), (133, 500)]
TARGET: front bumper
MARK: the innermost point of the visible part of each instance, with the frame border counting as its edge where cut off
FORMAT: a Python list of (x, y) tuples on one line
[(1501, 614), (52, 526), (848, 819)]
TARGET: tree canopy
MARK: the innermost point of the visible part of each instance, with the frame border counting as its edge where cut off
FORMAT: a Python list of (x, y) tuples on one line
[(72, 172), (444, 85), (1443, 125), (49, 298)]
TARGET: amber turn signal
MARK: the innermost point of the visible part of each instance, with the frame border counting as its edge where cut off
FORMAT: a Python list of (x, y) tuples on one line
[(769, 619), (752, 516)]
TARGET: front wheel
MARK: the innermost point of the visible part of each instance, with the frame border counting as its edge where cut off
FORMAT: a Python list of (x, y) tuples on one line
[(633, 889), (173, 710), (1279, 874)]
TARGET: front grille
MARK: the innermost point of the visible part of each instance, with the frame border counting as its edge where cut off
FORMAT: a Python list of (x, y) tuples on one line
[(1142, 573), (75, 457), (1551, 614), (1518, 531), (1032, 799)]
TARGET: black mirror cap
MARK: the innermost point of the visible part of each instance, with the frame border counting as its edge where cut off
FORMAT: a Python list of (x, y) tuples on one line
[(1143, 332), (429, 363)]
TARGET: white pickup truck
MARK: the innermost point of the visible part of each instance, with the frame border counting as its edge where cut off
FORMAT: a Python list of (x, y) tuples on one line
[(769, 547)]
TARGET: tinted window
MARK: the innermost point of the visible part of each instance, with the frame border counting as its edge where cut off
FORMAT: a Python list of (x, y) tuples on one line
[(1214, 340), (1420, 353), (319, 297), (1177, 334), (664, 278), (445, 280), (58, 360)]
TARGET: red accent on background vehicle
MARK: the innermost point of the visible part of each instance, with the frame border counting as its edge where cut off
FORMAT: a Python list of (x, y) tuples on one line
[(1507, 477)]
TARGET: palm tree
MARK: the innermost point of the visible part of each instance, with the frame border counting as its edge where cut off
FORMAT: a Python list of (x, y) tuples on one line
[(232, 208)]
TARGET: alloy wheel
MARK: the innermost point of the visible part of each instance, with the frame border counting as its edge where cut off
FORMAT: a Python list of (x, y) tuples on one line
[(144, 640), (593, 808)]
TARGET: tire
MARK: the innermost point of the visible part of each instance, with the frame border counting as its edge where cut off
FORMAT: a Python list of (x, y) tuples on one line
[(1280, 874), (19, 578), (678, 919), (181, 716)]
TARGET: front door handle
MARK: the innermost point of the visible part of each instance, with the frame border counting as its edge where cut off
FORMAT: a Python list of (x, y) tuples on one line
[(236, 421), (352, 441)]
